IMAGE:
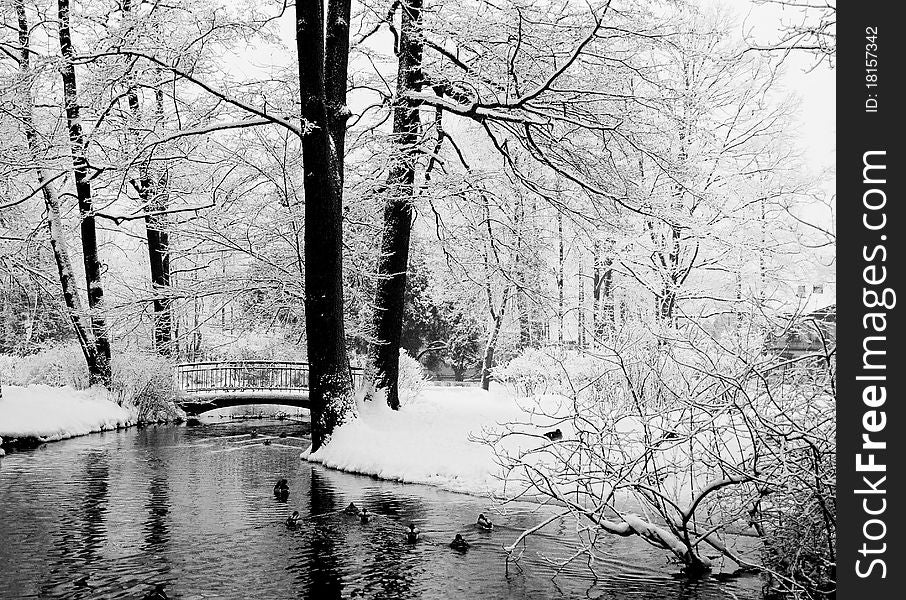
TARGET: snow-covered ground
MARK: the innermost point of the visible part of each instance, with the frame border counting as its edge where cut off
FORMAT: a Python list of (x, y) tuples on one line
[(56, 413), (429, 440)]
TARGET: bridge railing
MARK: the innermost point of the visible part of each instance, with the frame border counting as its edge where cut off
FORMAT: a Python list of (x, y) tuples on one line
[(248, 375)]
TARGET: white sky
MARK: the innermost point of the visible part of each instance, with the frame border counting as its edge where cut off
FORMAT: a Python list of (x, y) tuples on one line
[(816, 87)]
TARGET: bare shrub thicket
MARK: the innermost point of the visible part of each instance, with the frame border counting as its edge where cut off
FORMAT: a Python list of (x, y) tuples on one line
[(142, 380), (697, 441)]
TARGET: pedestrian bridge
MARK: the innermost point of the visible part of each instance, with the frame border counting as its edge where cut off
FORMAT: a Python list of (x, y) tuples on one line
[(204, 386)]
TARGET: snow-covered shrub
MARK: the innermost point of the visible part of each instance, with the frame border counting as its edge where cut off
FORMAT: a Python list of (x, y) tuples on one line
[(550, 370), (412, 378), (7, 365), (796, 518), (144, 380), (55, 366), (702, 430)]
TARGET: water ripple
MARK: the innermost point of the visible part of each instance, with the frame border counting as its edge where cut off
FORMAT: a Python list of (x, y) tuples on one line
[(112, 515)]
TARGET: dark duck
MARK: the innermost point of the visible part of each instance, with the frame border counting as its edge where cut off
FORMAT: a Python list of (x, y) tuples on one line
[(364, 517), (412, 533), (351, 510), (459, 543), (281, 490), (157, 593), (554, 435), (484, 522), (293, 520)]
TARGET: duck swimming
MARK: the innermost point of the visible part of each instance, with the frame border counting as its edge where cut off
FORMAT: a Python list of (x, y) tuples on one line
[(281, 490), (412, 533), (459, 543), (351, 510), (157, 593), (554, 435), (484, 523), (293, 519), (365, 516)]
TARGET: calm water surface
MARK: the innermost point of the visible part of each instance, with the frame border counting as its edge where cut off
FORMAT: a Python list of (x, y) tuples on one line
[(112, 515)]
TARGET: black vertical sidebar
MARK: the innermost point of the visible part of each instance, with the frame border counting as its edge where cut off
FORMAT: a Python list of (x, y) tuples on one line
[(871, 421)]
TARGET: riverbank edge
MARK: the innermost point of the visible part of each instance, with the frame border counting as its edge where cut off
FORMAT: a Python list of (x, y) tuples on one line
[(73, 413), (306, 457), (30, 442)]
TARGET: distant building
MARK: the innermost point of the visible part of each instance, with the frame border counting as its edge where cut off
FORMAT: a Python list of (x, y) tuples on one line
[(807, 334)]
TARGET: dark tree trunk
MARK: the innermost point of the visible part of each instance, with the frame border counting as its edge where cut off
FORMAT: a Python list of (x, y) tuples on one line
[(153, 193), (393, 262), (488, 362), (99, 371), (665, 301), (68, 283), (159, 255), (322, 86)]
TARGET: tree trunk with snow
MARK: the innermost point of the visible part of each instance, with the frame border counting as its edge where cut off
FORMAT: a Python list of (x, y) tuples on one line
[(68, 282), (487, 362), (560, 268), (602, 292), (99, 363), (152, 189), (322, 84), (397, 225)]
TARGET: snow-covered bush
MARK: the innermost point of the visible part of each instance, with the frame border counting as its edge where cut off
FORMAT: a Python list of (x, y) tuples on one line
[(55, 366), (550, 371), (412, 378), (705, 433), (145, 381)]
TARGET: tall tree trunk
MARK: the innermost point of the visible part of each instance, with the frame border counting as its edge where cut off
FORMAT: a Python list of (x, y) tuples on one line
[(525, 325), (152, 189), (487, 362), (71, 298), (596, 280), (68, 282), (608, 308), (99, 371), (393, 261), (602, 291), (521, 296), (560, 266), (322, 86), (159, 255)]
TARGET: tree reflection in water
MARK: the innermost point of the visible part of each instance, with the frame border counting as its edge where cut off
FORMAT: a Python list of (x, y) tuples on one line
[(94, 505), (323, 564)]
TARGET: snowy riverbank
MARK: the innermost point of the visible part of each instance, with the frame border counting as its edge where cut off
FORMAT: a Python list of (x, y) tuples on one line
[(46, 413), (429, 441)]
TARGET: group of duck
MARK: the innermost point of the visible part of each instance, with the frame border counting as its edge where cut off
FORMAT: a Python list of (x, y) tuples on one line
[(281, 492)]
